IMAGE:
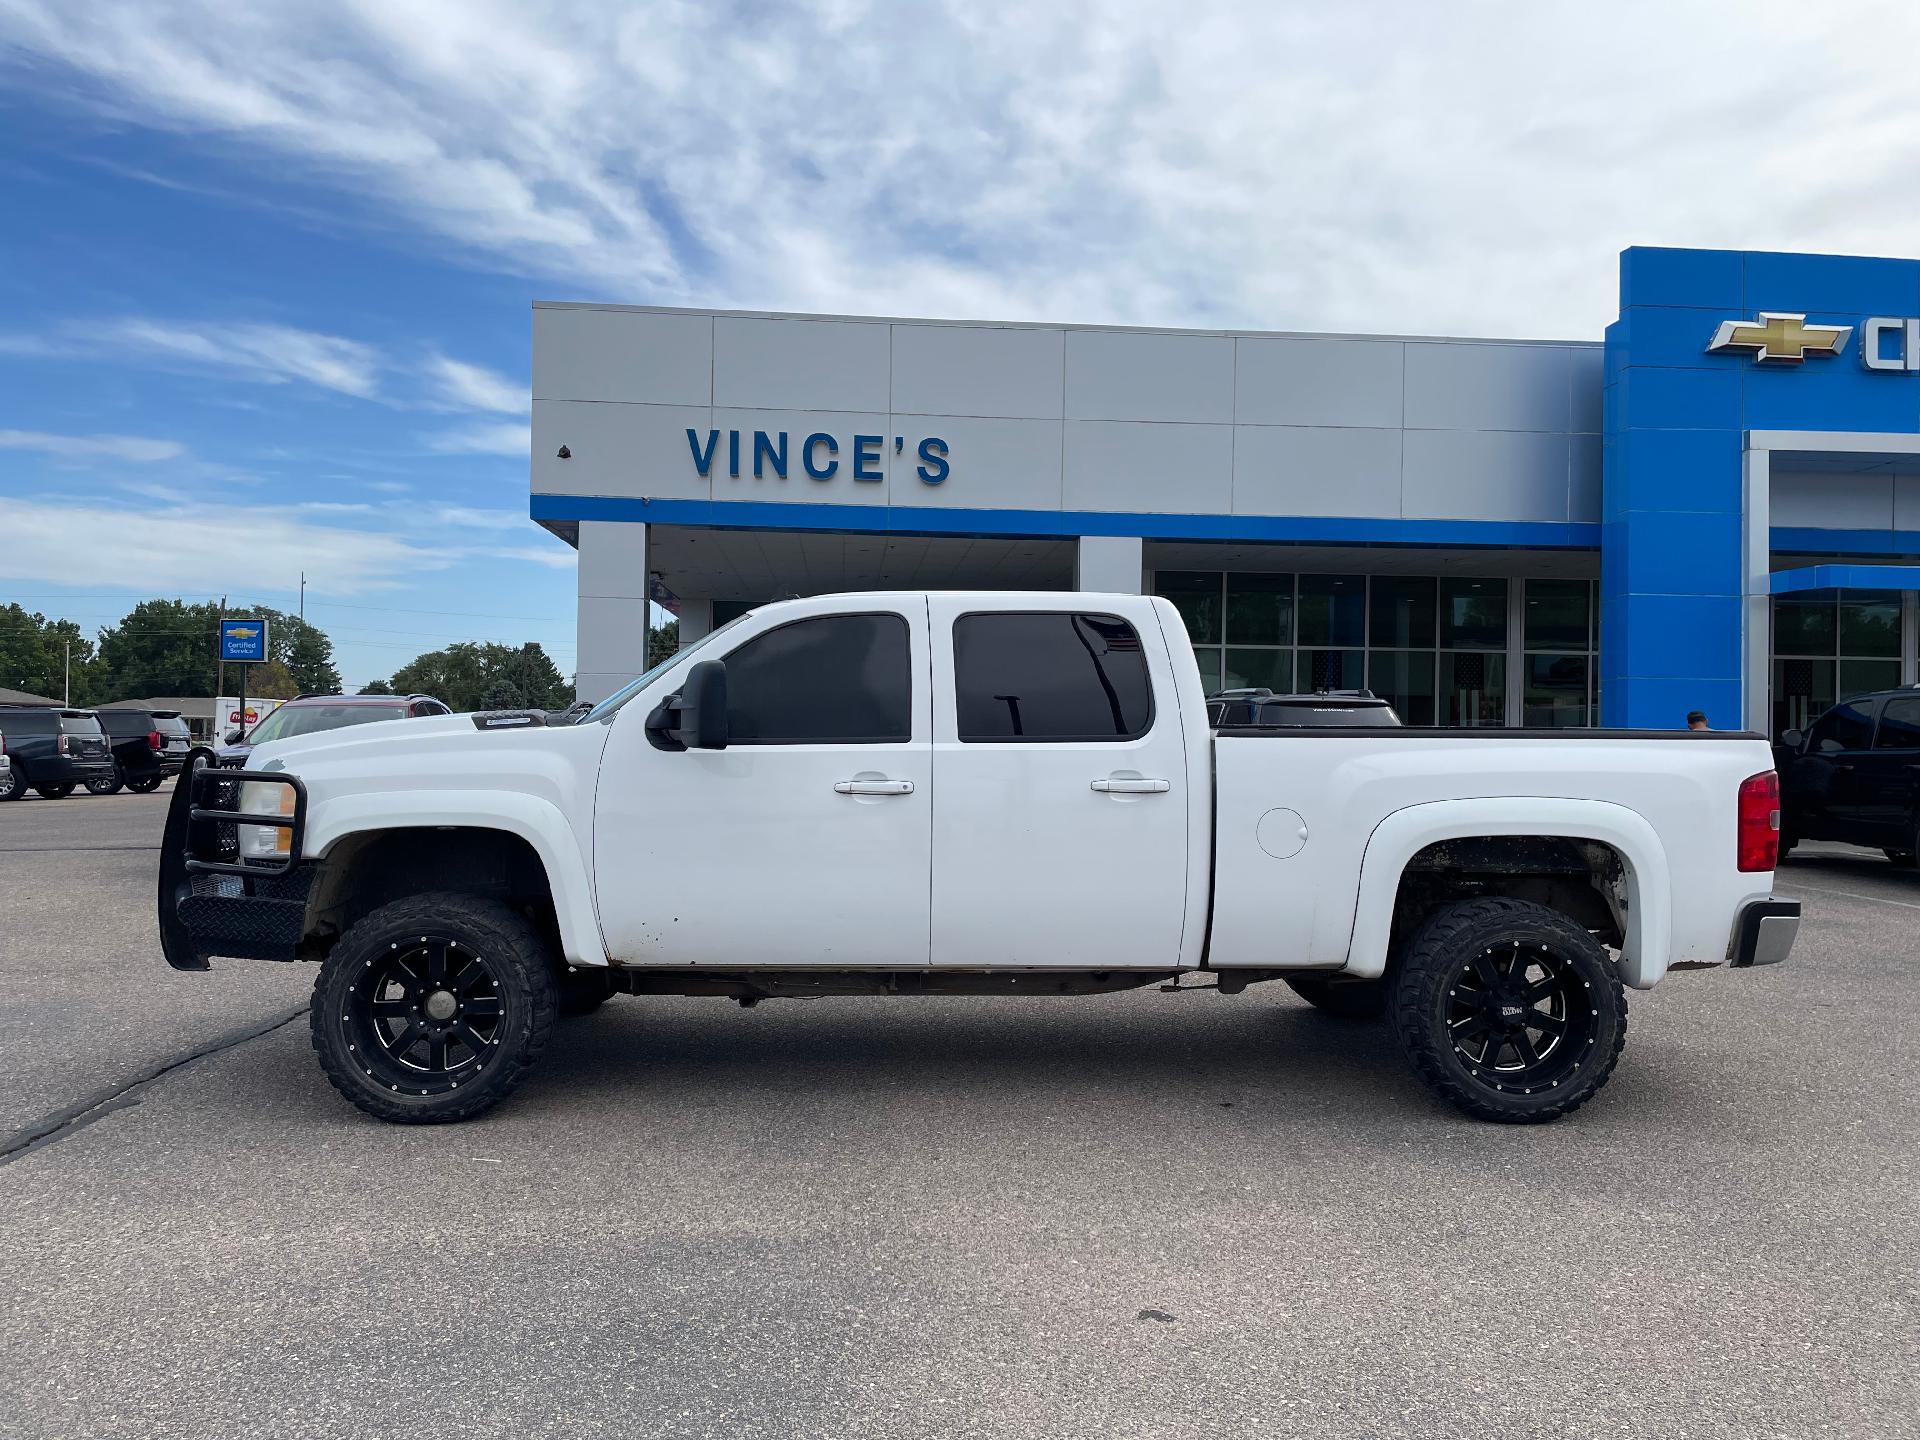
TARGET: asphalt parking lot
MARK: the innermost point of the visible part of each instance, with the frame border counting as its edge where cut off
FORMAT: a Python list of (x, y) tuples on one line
[(1140, 1215)]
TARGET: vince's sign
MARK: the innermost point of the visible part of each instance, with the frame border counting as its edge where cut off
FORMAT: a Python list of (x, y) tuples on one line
[(818, 456)]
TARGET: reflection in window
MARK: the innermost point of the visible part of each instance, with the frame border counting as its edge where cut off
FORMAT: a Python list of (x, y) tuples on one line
[(1829, 645)]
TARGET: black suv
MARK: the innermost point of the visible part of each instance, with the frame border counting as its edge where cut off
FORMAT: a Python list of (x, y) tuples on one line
[(1854, 775), (1267, 710), (52, 751), (148, 746)]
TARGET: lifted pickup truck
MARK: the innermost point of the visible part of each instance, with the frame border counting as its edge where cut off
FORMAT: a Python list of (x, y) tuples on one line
[(980, 793)]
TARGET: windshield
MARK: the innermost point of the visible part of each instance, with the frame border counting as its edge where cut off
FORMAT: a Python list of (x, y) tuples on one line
[(633, 687), (291, 720)]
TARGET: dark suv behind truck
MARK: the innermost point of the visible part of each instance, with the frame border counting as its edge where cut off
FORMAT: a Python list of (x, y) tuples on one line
[(52, 751), (1854, 775), (148, 746)]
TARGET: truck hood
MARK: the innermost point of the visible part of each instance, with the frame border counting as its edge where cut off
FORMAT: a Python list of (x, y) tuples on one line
[(442, 752)]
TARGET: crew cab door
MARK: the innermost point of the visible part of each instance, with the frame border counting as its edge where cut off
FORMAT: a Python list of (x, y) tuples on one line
[(805, 842), (1831, 775), (1060, 789)]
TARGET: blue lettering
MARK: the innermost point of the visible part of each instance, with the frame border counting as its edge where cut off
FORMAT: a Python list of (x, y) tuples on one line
[(733, 453), (702, 463), (866, 452), (934, 452), (764, 446), (806, 456)]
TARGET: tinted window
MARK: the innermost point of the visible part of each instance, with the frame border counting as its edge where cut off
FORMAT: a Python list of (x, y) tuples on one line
[(1049, 677), (125, 722), (28, 722), (170, 725), (76, 724), (1845, 727), (296, 719), (835, 680), (1899, 724)]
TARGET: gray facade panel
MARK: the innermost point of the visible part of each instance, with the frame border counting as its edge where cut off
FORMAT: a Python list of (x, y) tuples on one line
[(978, 370), (1148, 467), (1485, 475), (1287, 380), (799, 487), (1460, 386), (800, 364), (997, 464), (1833, 500), (581, 354), (1306, 470), (1137, 375), (626, 450)]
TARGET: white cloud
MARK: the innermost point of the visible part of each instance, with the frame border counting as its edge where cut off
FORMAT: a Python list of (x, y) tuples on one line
[(186, 547), (473, 519), (1371, 166), (137, 448), (474, 387), (554, 557), (489, 439), (274, 354), (264, 354)]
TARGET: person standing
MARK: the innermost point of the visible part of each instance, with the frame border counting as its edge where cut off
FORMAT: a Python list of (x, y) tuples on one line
[(1697, 720)]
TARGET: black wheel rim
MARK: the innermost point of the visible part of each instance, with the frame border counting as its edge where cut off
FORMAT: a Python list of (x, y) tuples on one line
[(1520, 1017), (425, 1016)]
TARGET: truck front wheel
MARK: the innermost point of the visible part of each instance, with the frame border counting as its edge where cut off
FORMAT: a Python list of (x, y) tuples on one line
[(1509, 1011), (432, 1008)]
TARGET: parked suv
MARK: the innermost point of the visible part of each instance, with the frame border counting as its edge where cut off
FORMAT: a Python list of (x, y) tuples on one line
[(1854, 776), (148, 746), (310, 714), (52, 751), (1267, 710)]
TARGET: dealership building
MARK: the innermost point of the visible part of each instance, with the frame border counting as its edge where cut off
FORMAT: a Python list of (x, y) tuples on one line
[(1715, 507)]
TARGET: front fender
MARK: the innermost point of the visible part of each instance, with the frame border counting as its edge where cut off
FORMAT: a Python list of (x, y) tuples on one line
[(537, 821), (1403, 834)]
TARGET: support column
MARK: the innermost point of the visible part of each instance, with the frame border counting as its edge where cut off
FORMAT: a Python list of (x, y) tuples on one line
[(612, 623), (1115, 564), (1756, 596), (696, 620)]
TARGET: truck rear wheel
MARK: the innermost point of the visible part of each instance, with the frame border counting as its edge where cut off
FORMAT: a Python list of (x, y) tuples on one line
[(1509, 1011), (433, 1008), (110, 785), (1349, 999)]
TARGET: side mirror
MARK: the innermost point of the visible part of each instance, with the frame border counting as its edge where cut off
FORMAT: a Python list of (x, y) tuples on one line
[(233, 737), (1793, 739), (696, 718)]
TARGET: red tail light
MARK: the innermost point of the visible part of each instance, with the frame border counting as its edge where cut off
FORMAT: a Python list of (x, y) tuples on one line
[(1759, 842), (63, 745), (155, 741)]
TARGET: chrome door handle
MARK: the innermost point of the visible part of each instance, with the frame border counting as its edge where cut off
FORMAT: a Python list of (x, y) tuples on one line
[(873, 787), (1132, 787)]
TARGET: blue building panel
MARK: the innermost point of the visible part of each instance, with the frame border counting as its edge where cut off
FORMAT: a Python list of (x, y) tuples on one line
[(1673, 567)]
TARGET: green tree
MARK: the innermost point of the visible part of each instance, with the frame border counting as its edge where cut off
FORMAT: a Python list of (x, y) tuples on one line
[(662, 641), (33, 655), (160, 647), (470, 675), (376, 687)]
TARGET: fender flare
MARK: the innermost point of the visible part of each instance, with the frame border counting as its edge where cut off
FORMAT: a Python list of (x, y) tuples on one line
[(537, 821), (1404, 833)]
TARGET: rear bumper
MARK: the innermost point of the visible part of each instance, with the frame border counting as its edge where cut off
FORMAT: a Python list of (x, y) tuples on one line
[(1764, 933), (65, 770)]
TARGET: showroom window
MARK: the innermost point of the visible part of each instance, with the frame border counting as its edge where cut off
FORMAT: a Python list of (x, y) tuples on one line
[(1436, 647), (1557, 630), (1829, 645)]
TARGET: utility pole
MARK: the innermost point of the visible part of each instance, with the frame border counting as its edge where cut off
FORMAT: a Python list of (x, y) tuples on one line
[(66, 699), (303, 597), (220, 664)]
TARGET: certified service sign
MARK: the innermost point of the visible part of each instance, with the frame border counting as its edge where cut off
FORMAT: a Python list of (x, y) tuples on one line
[(243, 641)]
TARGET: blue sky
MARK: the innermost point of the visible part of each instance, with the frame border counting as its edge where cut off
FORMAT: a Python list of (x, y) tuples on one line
[(265, 270)]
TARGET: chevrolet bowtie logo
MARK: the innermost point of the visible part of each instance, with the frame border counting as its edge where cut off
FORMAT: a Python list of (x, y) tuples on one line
[(1782, 337)]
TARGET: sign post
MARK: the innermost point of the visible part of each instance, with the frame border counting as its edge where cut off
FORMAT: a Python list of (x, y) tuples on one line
[(243, 643)]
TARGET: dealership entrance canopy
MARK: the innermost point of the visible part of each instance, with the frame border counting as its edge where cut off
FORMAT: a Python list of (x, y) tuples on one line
[(1716, 508)]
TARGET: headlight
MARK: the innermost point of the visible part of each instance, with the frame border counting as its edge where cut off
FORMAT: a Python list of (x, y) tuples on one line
[(265, 842)]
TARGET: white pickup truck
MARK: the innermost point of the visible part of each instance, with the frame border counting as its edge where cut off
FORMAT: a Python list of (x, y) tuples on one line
[(969, 793)]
